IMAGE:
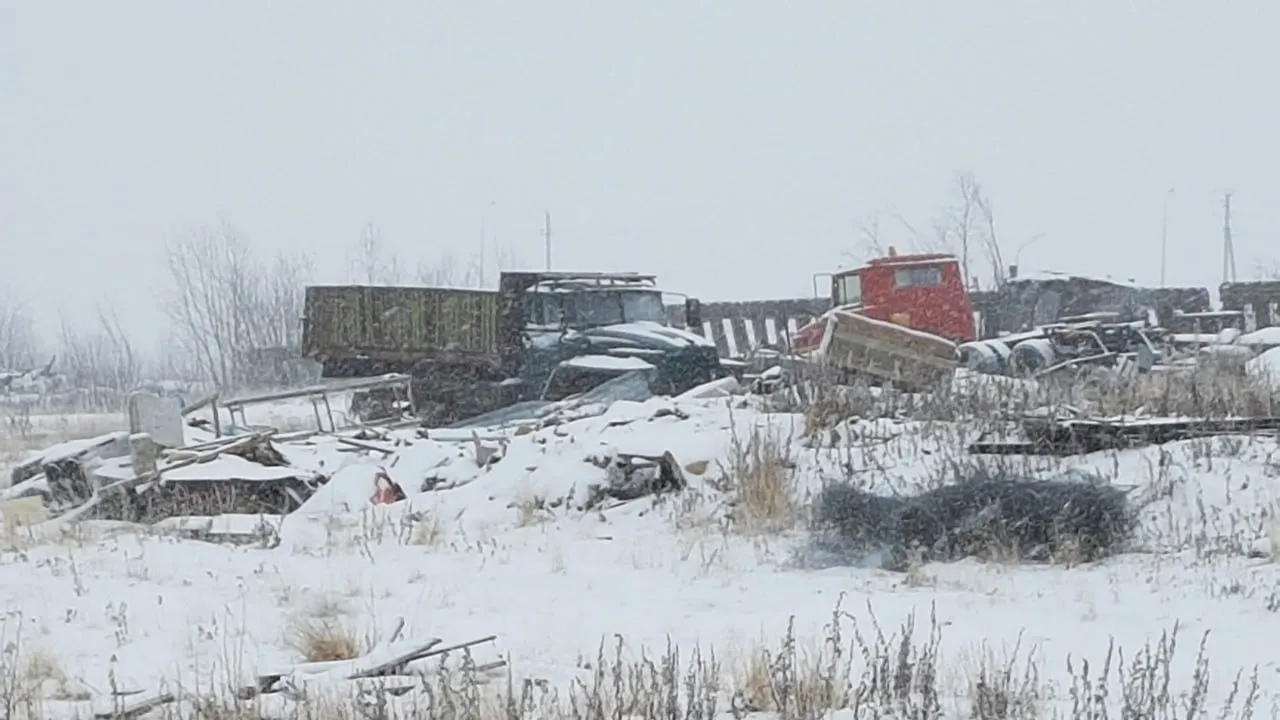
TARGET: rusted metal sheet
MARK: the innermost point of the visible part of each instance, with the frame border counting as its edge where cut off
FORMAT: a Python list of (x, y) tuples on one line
[(398, 323), (1025, 304), (738, 328), (1258, 301)]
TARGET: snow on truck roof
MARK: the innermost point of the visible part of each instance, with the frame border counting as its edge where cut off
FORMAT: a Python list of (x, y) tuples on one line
[(596, 282), (895, 261), (1051, 275)]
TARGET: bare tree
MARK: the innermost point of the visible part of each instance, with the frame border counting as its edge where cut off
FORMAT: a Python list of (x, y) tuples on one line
[(449, 270), (1267, 269), (985, 226), (869, 233), (226, 305), (966, 228), (19, 346), (373, 263), (100, 358), (874, 240), (282, 299)]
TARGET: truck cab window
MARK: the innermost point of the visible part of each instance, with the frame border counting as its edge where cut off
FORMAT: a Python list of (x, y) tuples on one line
[(849, 290), (545, 309), (597, 309), (909, 277), (642, 306)]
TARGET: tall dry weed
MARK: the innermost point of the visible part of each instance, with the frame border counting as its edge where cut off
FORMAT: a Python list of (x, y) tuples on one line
[(760, 474)]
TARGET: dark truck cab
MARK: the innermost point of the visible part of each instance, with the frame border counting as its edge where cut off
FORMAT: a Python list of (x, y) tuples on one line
[(541, 335)]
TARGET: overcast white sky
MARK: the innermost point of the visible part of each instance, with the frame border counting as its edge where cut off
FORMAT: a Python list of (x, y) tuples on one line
[(727, 146)]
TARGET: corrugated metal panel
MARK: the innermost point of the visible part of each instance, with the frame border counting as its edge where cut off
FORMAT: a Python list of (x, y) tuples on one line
[(333, 318), (401, 320)]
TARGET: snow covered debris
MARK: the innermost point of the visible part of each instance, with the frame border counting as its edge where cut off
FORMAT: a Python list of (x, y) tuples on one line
[(644, 522), (1267, 367), (608, 362)]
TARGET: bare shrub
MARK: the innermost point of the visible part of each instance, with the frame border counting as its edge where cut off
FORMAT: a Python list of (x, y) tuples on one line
[(761, 476)]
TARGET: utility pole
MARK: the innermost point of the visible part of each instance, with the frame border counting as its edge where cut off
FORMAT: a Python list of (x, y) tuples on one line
[(1164, 235), (484, 224), (1228, 250), (546, 235)]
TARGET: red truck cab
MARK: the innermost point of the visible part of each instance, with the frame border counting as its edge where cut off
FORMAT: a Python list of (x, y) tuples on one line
[(922, 291)]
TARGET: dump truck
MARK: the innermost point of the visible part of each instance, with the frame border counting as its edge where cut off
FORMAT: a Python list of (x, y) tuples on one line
[(896, 319), (860, 345), (540, 336)]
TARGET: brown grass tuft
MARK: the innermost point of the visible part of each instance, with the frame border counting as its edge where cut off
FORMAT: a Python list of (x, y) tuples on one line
[(761, 476), (323, 640)]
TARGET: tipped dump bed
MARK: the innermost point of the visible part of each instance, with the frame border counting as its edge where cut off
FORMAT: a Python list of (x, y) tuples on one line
[(398, 323), (910, 359)]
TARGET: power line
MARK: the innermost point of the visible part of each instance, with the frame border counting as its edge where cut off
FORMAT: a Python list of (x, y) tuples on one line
[(1228, 249)]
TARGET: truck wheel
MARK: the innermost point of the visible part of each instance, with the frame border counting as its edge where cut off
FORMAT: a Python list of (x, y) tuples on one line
[(1031, 356), (981, 356)]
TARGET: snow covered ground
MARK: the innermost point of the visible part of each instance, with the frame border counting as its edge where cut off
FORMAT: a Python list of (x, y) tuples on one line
[(506, 550)]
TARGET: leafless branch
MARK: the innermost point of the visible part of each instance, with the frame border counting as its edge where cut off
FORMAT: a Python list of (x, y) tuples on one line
[(374, 263), (19, 346), (227, 306), (451, 271)]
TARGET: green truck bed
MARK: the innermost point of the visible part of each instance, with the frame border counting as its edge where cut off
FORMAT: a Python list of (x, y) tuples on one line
[(397, 324)]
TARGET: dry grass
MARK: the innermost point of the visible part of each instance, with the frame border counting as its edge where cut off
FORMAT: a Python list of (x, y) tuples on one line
[(428, 530), (855, 667), (29, 676), (760, 474), (531, 507), (1005, 686), (1206, 391), (324, 639)]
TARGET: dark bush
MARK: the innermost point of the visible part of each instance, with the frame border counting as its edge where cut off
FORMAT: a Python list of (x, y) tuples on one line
[(986, 515)]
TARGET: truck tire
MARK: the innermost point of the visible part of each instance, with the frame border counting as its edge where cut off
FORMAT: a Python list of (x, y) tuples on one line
[(1031, 356), (984, 356)]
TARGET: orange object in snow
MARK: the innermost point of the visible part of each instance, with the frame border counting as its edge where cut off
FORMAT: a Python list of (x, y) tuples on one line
[(385, 490)]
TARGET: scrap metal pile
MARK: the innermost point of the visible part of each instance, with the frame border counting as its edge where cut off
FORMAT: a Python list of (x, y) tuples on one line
[(178, 467)]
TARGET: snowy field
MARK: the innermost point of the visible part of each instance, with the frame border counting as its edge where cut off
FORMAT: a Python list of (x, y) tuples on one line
[(512, 550)]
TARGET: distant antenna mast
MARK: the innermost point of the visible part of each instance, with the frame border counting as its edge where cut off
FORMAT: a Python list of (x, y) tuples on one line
[(1164, 235), (1228, 249), (546, 235)]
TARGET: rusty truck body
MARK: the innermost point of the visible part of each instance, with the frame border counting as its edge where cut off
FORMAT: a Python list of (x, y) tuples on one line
[(471, 351)]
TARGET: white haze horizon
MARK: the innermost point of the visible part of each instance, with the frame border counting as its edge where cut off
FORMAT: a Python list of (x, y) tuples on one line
[(733, 149)]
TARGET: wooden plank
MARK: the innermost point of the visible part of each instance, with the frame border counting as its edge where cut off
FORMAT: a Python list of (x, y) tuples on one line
[(138, 708), (399, 662)]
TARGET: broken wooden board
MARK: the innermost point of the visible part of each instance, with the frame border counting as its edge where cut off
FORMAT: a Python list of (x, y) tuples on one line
[(1079, 436)]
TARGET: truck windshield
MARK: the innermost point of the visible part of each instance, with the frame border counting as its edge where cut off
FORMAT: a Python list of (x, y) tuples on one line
[(596, 309)]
